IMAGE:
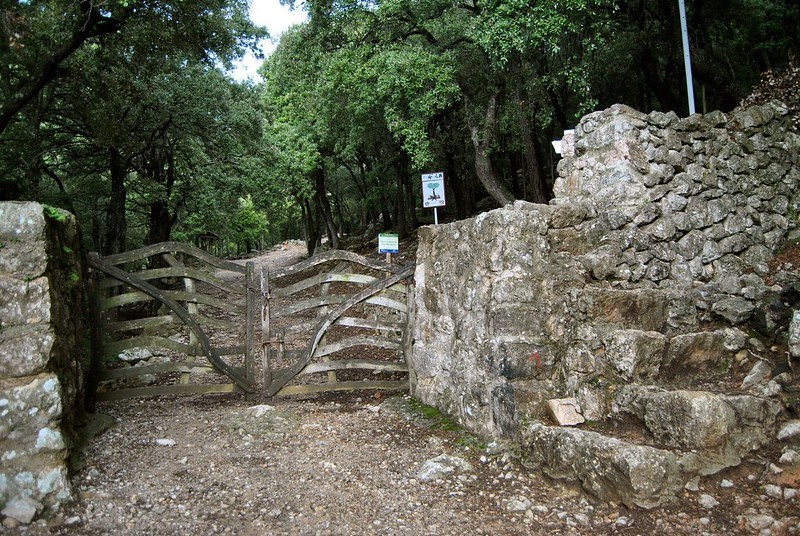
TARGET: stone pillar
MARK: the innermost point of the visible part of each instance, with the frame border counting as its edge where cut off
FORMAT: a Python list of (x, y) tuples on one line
[(41, 345)]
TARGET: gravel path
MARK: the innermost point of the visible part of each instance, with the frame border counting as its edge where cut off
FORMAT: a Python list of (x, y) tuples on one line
[(345, 464)]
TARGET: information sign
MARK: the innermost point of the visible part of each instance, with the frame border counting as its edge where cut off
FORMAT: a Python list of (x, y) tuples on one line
[(388, 243), (433, 190)]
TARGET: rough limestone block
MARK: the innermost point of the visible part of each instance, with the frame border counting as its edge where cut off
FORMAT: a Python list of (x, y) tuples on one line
[(689, 419), (26, 259), (612, 469), (718, 430), (23, 220), (23, 510), (48, 485), (24, 302), (790, 431), (794, 335), (28, 417), (760, 372), (692, 353), (735, 310), (633, 353), (25, 350), (646, 310)]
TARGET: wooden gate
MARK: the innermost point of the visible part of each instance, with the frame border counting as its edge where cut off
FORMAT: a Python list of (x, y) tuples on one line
[(336, 321), (149, 299)]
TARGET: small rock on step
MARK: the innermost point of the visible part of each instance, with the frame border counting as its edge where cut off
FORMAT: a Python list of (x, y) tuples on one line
[(518, 504), (440, 466), (790, 430), (757, 522), (776, 492), (566, 411), (790, 457), (23, 510), (760, 372)]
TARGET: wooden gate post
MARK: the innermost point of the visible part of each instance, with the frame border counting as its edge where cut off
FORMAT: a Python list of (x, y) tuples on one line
[(250, 315), (96, 351), (407, 340), (266, 335)]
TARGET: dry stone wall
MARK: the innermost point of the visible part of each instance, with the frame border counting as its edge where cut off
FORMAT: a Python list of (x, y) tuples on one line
[(40, 348), (627, 292)]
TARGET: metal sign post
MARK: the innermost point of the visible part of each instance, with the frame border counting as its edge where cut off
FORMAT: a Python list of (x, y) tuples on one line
[(433, 192), (687, 57)]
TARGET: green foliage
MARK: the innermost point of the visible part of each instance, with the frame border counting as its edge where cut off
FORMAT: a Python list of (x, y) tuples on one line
[(143, 138), (55, 213), (438, 421), (249, 223), (143, 115)]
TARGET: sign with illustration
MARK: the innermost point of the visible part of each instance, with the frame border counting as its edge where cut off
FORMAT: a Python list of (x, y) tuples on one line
[(433, 190)]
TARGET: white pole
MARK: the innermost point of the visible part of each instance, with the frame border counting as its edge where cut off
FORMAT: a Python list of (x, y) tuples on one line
[(436, 215), (687, 59)]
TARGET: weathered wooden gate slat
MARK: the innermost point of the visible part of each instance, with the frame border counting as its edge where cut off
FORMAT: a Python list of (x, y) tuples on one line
[(321, 279), (376, 325), (176, 295), (349, 321), (334, 255), (175, 389), (133, 372), (358, 340), (171, 247), (154, 341), (349, 364), (179, 272), (313, 388), (166, 320)]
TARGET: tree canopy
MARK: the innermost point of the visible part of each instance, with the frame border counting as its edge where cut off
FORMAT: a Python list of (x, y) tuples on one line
[(121, 110)]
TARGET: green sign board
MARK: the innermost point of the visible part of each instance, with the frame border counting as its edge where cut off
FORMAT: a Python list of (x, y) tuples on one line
[(388, 243)]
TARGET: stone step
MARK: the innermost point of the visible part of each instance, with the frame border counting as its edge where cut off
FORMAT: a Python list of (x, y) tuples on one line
[(667, 311), (635, 354), (713, 431), (611, 469), (652, 443)]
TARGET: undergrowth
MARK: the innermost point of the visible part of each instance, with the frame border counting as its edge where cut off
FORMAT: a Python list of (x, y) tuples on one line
[(436, 420)]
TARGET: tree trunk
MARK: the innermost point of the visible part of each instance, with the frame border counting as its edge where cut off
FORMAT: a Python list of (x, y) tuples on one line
[(405, 206), (534, 187), (310, 225), (324, 207), (483, 162), (161, 218), (116, 223)]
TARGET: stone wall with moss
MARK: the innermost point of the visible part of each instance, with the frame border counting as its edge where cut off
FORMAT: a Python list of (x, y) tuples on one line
[(41, 346)]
